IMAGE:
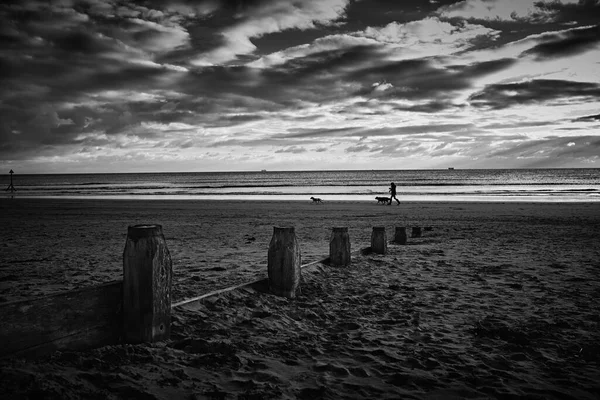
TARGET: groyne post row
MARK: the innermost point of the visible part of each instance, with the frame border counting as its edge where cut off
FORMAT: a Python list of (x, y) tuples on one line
[(148, 270), (284, 258), (137, 309)]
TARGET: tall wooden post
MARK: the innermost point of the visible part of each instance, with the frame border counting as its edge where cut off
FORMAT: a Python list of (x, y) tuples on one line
[(284, 262), (147, 276), (11, 187), (379, 240), (339, 247), (400, 235), (416, 231)]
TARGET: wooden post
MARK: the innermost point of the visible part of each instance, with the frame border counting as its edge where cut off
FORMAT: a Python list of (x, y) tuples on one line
[(147, 276), (11, 186), (339, 247), (400, 235), (379, 240), (284, 262), (416, 231)]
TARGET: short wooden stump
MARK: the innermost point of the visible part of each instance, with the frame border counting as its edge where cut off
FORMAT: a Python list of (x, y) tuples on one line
[(339, 247), (400, 235), (379, 240)]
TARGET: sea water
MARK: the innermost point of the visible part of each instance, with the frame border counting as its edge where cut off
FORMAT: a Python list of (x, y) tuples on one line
[(553, 185)]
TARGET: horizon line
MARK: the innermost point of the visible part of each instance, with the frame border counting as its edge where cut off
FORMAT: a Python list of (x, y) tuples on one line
[(307, 170)]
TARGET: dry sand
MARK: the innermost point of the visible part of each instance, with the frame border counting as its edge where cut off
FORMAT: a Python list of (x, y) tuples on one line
[(499, 300)]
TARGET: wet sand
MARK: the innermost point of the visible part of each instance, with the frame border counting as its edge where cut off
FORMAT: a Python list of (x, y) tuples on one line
[(498, 300)]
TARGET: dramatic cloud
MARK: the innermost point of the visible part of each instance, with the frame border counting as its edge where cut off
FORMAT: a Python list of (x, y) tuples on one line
[(429, 37), (271, 17), (567, 43), (508, 95), (513, 10), (186, 84)]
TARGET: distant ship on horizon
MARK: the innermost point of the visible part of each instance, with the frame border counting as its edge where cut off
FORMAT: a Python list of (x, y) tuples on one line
[(451, 168)]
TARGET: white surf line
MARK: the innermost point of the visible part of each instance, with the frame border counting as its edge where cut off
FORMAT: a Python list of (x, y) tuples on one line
[(242, 285)]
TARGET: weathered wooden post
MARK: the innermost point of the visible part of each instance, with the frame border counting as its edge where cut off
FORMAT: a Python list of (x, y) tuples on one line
[(416, 231), (147, 276), (284, 262), (379, 240), (400, 235), (339, 247)]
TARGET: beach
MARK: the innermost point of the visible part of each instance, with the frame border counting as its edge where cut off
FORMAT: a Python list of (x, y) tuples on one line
[(497, 300)]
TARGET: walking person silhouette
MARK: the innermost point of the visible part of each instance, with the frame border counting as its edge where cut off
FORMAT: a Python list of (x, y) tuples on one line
[(393, 194)]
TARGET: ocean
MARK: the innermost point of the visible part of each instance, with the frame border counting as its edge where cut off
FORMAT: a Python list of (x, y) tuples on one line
[(554, 185)]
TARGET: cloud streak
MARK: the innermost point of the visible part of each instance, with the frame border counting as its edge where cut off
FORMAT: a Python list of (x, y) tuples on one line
[(532, 11)]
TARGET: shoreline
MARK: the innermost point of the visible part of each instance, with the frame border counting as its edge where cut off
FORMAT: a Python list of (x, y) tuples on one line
[(370, 200)]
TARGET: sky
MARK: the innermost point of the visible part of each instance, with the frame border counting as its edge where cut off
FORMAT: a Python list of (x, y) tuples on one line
[(208, 85)]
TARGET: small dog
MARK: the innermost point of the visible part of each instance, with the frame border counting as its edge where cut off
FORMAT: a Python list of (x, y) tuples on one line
[(317, 200), (382, 200)]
